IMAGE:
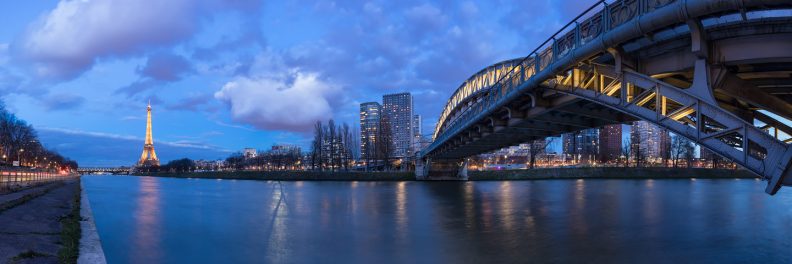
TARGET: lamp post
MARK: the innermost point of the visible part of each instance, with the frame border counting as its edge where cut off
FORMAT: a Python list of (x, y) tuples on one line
[(19, 156)]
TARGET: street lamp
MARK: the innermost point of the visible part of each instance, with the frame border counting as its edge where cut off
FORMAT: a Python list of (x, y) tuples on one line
[(19, 156)]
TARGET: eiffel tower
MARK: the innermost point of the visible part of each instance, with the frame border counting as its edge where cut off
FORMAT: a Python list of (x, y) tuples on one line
[(149, 157)]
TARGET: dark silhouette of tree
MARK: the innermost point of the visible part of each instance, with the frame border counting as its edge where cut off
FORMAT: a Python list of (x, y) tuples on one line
[(537, 147), (384, 145), (180, 165), (627, 152), (19, 141)]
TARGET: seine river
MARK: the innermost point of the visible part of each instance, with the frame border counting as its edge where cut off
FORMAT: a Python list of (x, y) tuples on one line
[(167, 220)]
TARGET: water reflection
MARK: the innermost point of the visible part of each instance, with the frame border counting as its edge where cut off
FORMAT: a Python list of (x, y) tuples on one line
[(278, 231), (207, 221), (147, 226), (506, 205)]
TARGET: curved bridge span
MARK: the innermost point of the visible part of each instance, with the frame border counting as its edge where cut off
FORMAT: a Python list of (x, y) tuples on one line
[(709, 70)]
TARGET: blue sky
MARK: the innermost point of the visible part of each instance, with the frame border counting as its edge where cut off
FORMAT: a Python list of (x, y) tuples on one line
[(223, 75)]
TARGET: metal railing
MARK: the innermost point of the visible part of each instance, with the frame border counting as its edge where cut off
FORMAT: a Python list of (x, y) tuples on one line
[(19, 178), (583, 28)]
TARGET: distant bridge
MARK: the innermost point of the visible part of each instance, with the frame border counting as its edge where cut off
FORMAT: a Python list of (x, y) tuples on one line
[(96, 170), (708, 70)]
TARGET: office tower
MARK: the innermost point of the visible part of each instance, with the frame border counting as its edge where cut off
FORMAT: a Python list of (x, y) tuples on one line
[(650, 143), (610, 139), (398, 112), (369, 125)]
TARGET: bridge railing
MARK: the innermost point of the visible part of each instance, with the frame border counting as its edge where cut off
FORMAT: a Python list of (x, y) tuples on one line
[(588, 25), (598, 19)]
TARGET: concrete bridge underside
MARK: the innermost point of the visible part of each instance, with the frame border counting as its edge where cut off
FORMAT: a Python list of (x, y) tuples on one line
[(711, 71)]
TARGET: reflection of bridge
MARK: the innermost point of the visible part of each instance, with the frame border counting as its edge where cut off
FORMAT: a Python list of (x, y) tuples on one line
[(98, 170), (704, 69)]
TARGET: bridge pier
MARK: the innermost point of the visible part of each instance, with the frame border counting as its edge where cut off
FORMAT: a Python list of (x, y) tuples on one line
[(441, 169)]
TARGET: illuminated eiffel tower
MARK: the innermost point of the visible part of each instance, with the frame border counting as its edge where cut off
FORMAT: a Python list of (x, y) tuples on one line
[(149, 157)]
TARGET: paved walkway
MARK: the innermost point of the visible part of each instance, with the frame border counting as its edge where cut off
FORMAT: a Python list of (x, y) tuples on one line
[(34, 226)]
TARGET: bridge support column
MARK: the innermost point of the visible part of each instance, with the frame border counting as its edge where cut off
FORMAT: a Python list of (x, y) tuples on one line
[(422, 168), (442, 169), (701, 69)]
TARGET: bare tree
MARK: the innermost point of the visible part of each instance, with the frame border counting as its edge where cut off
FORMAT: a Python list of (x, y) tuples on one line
[(384, 143), (689, 153), (681, 147), (316, 148), (347, 144), (538, 147), (627, 152)]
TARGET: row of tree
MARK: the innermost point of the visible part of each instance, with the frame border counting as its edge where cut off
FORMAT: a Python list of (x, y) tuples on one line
[(19, 142), (681, 149), (267, 160), (332, 147)]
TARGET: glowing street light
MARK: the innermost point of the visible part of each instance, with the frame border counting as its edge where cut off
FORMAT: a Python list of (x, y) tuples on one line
[(19, 156)]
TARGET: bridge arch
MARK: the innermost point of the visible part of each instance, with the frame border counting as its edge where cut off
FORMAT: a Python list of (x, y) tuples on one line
[(594, 59)]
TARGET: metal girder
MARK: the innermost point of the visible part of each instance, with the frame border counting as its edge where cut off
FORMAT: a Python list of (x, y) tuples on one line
[(603, 114), (713, 127), (693, 117), (730, 84), (773, 123)]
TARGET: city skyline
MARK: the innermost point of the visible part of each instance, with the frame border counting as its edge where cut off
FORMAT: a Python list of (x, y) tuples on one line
[(203, 64), (384, 131)]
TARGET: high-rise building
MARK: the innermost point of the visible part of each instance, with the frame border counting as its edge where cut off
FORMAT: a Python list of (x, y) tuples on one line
[(707, 154), (250, 153), (588, 145), (369, 126), (398, 109), (582, 146), (416, 124), (282, 149), (650, 143), (568, 143), (610, 141)]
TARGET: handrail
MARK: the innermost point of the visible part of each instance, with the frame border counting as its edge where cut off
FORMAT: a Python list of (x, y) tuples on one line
[(532, 54), (541, 60), (612, 16)]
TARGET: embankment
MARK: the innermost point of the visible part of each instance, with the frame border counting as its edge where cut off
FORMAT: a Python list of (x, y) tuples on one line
[(609, 173), (534, 174)]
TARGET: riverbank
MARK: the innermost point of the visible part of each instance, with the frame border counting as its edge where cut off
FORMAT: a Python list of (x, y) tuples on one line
[(38, 224), (609, 173), (534, 174)]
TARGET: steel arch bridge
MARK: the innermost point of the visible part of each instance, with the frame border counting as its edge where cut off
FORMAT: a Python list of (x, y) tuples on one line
[(709, 70)]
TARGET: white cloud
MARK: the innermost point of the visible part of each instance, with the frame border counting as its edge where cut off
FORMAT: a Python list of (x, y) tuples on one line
[(69, 39), (290, 102)]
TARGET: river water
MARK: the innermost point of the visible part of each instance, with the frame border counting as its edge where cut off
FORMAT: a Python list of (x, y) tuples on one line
[(167, 220)]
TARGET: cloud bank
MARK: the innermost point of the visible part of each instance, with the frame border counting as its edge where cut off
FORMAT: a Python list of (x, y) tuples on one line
[(69, 39), (291, 102)]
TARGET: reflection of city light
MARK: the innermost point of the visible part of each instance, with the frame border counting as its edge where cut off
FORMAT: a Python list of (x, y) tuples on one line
[(148, 217), (401, 208), (469, 206), (506, 205)]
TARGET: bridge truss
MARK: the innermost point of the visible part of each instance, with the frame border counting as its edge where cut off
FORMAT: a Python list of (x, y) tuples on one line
[(586, 60)]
